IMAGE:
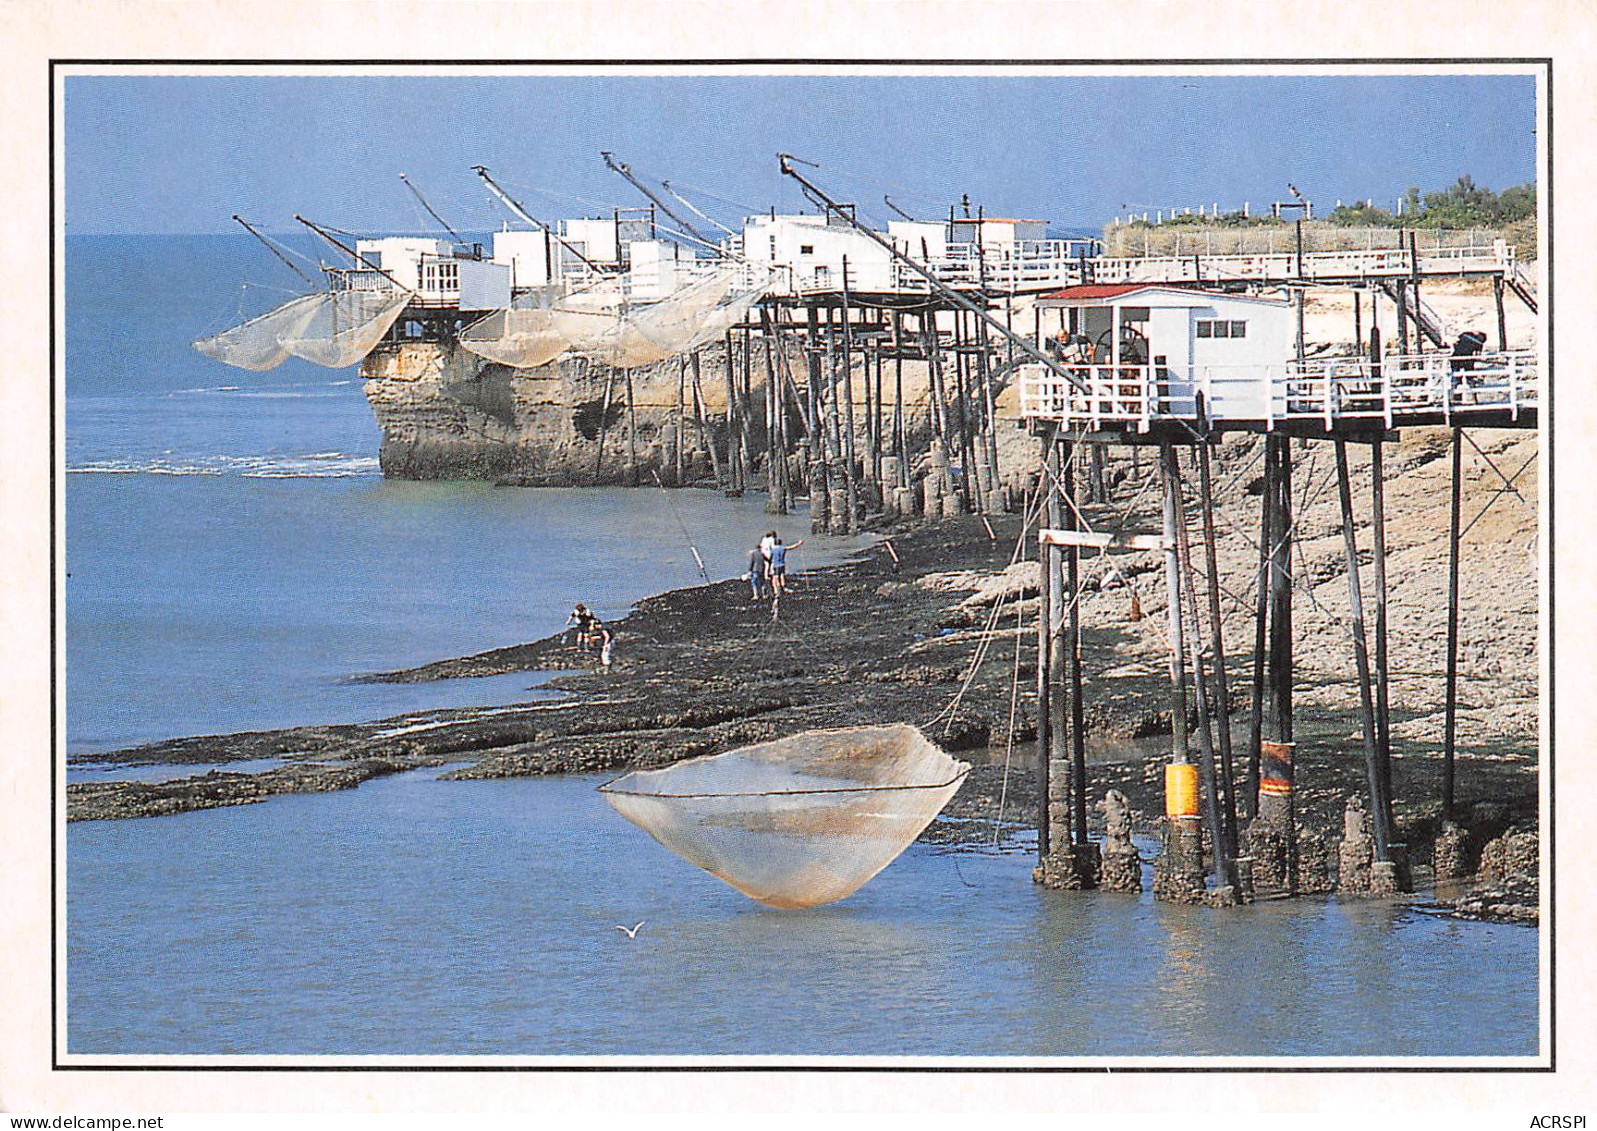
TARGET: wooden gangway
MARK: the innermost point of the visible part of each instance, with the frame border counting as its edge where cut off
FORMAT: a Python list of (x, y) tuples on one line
[(1321, 395), (1039, 266)]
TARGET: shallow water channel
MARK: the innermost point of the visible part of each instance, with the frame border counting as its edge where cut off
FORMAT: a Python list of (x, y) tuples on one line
[(417, 916)]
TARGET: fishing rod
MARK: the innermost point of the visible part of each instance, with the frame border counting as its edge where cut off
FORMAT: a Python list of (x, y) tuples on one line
[(514, 205), (433, 212), (250, 228), (626, 171), (846, 214), (704, 573)]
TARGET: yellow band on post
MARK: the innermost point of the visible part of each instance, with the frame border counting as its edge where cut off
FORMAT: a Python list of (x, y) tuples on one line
[(1181, 791)]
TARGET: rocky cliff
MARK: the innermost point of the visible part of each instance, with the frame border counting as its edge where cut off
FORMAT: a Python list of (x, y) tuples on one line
[(446, 413)]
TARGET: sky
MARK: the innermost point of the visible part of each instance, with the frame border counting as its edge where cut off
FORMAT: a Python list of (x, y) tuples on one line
[(181, 154)]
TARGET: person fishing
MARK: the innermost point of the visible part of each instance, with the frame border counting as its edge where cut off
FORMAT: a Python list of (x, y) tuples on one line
[(758, 583), (779, 564), (587, 627)]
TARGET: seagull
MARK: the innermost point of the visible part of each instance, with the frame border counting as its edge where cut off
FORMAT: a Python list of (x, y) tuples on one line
[(631, 932)]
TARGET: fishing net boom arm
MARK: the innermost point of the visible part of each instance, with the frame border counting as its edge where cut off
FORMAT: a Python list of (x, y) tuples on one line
[(1023, 344)]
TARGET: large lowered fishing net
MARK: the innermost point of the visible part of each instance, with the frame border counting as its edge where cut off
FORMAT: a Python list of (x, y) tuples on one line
[(800, 821), (331, 328), (598, 324), (258, 343)]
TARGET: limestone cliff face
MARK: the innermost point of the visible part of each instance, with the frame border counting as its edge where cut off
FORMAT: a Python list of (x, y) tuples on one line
[(446, 413)]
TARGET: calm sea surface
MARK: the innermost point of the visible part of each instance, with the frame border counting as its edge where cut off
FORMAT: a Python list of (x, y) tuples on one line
[(234, 558)]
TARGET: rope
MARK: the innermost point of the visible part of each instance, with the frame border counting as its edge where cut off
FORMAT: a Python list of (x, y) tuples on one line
[(1014, 703), (683, 527)]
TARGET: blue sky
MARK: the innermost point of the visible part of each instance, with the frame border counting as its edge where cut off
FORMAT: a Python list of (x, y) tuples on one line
[(148, 154)]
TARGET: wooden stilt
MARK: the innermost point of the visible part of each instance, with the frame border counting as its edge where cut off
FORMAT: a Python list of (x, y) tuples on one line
[(1222, 695), (679, 429), (1260, 621), (1449, 731), (1046, 554), (1401, 287), (1223, 853), (1278, 719), (699, 423), (604, 423), (1361, 659), (1072, 594), (850, 462), (1383, 718), (632, 435), (1502, 317), (734, 460), (1061, 642), (1172, 568), (900, 441)]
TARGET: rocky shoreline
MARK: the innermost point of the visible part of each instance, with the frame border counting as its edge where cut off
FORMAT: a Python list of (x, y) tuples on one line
[(892, 635)]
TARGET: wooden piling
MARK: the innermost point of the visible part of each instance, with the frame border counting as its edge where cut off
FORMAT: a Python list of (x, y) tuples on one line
[(1449, 730), (1172, 567), (1222, 695), (1078, 728), (1361, 659), (900, 440), (1502, 316), (1261, 610), (699, 423), (632, 435), (679, 429), (1224, 854), (1278, 719), (1383, 718), (1045, 556), (1061, 643), (604, 423), (733, 483), (850, 462)]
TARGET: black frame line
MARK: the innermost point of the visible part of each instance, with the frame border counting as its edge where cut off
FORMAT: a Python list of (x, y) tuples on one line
[(775, 1063)]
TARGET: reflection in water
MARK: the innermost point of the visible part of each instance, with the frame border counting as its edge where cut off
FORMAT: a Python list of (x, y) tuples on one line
[(415, 916)]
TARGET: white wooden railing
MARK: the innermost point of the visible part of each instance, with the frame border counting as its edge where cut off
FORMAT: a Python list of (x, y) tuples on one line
[(1394, 392)]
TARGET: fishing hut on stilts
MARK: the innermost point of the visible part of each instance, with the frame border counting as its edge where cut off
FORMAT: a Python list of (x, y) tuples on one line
[(1176, 368)]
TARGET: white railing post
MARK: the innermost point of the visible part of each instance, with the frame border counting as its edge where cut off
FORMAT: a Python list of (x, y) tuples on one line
[(1513, 387), (1386, 395), (1326, 407), (1447, 394)]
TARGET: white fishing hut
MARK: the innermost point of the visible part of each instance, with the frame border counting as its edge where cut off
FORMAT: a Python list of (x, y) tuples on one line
[(1139, 352), (438, 271)]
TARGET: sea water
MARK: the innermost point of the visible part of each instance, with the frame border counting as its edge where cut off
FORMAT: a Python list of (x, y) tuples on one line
[(234, 558), (422, 917)]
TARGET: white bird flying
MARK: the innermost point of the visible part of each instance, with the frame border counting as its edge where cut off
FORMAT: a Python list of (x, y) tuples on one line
[(631, 932)]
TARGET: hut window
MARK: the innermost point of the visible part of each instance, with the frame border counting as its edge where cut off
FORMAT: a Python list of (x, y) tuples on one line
[(1210, 328), (806, 249)]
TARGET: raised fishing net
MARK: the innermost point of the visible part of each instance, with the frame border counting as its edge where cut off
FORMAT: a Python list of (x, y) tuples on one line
[(258, 343), (800, 821), (533, 332), (331, 328), (598, 323), (346, 326)]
